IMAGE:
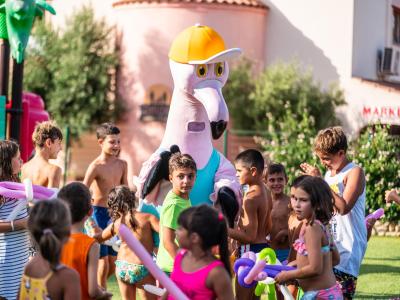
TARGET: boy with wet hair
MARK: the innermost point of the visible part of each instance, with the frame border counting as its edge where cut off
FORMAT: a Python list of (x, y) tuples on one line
[(104, 173), (347, 182), (254, 224), (276, 181), (47, 138), (182, 174)]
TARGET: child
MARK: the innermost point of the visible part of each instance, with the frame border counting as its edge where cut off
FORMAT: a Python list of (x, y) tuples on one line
[(47, 138), (347, 182), (392, 196), (197, 272), (294, 226), (276, 180), (313, 205), (44, 277), (14, 236), (130, 272), (81, 252), (254, 223), (182, 174), (104, 173)]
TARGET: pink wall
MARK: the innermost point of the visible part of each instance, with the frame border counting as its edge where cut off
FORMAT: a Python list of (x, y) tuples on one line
[(146, 32)]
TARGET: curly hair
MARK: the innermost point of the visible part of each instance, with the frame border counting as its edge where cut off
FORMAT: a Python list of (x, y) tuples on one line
[(46, 130), (8, 150), (330, 140), (121, 201)]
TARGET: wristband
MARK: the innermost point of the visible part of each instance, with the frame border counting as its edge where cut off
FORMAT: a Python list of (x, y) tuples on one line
[(12, 225)]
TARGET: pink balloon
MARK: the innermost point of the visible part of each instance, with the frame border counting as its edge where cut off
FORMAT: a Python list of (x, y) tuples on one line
[(257, 268), (142, 253), (16, 190)]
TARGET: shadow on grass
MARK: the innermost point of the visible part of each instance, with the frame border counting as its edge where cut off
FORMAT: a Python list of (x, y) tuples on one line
[(370, 268), (397, 258), (376, 296)]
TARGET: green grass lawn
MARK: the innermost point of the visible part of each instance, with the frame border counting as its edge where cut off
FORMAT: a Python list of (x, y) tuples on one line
[(380, 271)]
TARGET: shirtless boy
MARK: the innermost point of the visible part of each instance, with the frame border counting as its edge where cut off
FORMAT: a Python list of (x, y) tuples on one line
[(104, 173), (254, 224), (276, 180), (47, 138)]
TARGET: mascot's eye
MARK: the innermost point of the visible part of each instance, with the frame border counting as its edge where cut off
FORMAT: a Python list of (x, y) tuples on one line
[(201, 70), (219, 69)]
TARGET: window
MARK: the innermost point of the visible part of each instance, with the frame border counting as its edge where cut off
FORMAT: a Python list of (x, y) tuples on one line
[(396, 25)]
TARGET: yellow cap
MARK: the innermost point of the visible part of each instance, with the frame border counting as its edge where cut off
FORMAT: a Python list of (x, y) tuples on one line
[(199, 45)]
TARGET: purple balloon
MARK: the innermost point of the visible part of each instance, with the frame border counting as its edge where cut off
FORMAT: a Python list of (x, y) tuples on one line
[(16, 190), (246, 264)]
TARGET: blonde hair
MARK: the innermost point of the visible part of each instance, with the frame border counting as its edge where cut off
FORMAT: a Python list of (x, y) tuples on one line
[(50, 224), (330, 140), (46, 130)]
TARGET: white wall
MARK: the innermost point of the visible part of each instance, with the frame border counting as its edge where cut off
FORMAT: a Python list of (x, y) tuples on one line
[(64, 8), (319, 33), (370, 35)]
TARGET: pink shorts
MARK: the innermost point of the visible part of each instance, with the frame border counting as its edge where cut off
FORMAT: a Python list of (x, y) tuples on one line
[(333, 293)]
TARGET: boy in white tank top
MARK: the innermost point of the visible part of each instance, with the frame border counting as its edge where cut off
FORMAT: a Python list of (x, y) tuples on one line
[(347, 182)]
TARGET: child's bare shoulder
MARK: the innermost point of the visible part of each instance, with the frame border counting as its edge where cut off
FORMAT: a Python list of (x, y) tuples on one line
[(356, 172), (256, 193)]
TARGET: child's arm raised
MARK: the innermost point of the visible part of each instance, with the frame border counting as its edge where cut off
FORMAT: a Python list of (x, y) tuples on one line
[(313, 237), (354, 187), (248, 233), (392, 196), (219, 281)]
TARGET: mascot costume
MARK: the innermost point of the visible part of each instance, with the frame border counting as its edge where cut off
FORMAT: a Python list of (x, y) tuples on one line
[(198, 114)]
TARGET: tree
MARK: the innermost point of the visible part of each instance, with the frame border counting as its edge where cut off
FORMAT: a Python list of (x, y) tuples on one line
[(237, 91), (289, 142), (251, 98), (74, 71), (378, 154)]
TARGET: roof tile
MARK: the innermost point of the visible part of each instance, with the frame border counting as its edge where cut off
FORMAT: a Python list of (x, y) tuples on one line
[(251, 3)]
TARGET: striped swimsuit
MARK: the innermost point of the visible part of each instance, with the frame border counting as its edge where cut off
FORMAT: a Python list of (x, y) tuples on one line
[(14, 252)]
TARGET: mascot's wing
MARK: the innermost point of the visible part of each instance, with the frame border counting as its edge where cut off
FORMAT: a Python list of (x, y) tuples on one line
[(154, 170), (226, 177)]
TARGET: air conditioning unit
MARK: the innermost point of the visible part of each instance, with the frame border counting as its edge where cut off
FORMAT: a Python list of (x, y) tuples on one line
[(390, 62)]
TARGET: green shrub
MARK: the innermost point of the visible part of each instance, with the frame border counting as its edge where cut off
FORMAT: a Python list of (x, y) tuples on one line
[(74, 71), (378, 154), (289, 141), (251, 99)]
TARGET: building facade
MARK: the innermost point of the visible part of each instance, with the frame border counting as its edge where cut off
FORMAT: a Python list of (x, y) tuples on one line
[(352, 43)]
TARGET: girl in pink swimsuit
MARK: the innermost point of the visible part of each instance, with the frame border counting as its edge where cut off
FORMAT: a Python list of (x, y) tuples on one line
[(312, 202), (197, 272)]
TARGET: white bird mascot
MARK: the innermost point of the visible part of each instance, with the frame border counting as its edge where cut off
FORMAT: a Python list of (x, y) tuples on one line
[(198, 114)]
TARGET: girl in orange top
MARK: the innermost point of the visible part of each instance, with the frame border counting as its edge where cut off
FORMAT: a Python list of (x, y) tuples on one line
[(81, 252)]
